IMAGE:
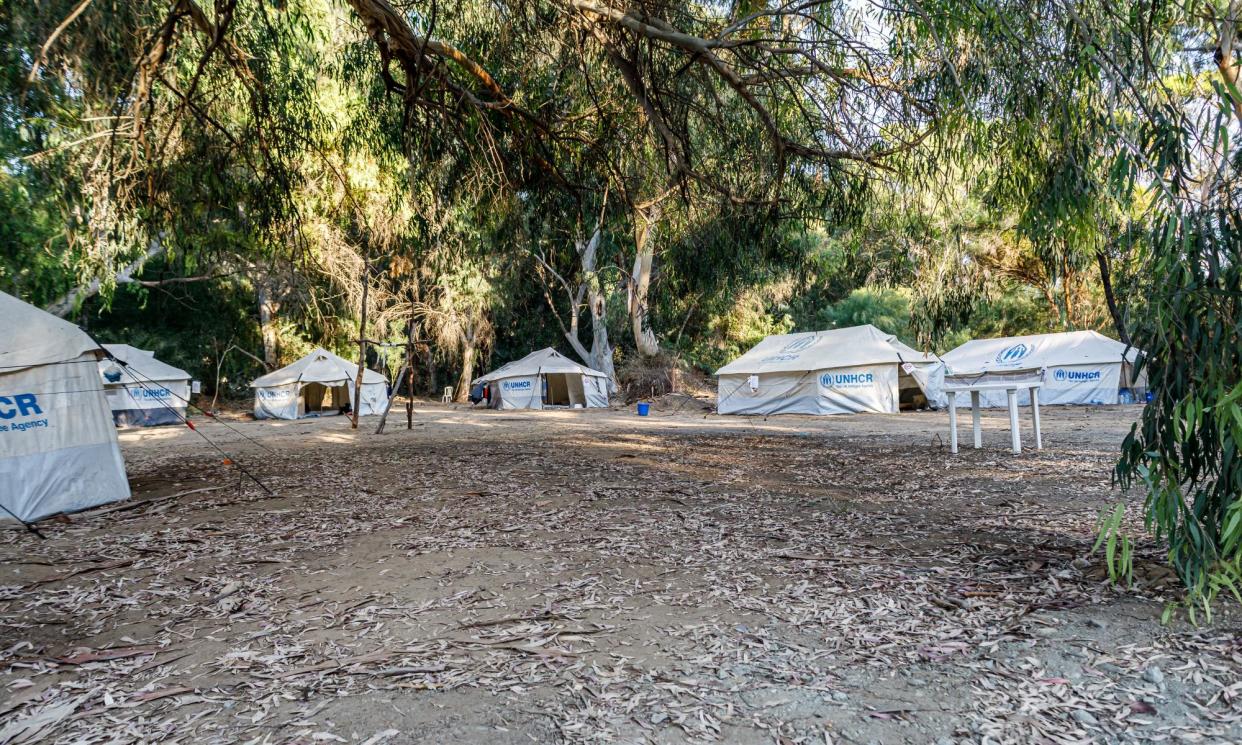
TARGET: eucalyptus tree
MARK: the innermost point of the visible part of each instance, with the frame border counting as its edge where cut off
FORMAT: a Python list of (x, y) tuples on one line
[(1114, 127), (167, 133), (676, 102)]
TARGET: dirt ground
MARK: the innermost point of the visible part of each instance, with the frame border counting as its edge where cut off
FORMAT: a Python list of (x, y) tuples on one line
[(502, 577)]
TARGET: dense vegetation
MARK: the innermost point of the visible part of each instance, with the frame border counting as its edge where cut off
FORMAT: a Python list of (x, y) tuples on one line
[(645, 181)]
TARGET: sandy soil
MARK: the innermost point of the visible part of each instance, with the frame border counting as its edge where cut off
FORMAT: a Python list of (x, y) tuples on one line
[(595, 576)]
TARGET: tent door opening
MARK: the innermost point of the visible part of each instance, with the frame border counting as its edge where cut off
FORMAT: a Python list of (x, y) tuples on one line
[(319, 399), (563, 389), (910, 393)]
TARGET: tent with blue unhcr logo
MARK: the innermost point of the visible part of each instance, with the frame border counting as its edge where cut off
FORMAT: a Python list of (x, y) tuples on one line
[(839, 371), (1074, 367), (319, 384), (141, 390), (543, 380), (58, 447)]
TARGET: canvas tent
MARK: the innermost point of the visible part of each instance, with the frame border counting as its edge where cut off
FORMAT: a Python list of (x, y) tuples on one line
[(839, 371), (1077, 367), (141, 390), (546, 379), (58, 447), (320, 383)]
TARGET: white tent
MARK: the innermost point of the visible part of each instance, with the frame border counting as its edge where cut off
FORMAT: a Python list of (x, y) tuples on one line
[(319, 383), (545, 379), (141, 390), (1078, 367), (58, 448), (839, 371)]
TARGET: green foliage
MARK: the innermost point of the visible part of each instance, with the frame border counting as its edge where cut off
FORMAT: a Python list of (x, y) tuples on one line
[(885, 308), (1120, 563)]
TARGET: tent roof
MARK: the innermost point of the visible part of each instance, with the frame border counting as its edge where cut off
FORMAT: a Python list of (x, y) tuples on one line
[(320, 366), (1035, 351), (820, 350), (30, 336), (543, 361), (140, 365)]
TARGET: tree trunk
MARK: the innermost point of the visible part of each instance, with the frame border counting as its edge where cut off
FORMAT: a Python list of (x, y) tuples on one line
[(268, 308), (78, 295), (640, 281), (462, 393), (1106, 279), (379, 430), (362, 349), (600, 356), (433, 381)]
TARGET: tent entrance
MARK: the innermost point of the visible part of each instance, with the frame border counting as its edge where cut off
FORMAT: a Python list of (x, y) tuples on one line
[(563, 389), (910, 394), (322, 400)]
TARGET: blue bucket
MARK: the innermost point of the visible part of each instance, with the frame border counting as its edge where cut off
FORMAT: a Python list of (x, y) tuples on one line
[(643, 408)]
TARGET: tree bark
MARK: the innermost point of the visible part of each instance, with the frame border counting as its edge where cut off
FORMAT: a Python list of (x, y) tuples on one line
[(268, 308), (462, 393), (640, 281), (1106, 280), (1224, 57), (600, 356), (78, 295)]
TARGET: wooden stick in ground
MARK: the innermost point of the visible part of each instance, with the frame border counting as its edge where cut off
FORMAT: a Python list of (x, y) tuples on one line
[(391, 397), (362, 348), (409, 365)]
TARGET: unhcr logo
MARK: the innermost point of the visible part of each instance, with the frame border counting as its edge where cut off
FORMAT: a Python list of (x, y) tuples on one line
[(1076, 376), (798, 345), (515, 385), (1014, 353), (21, 404), (846, 380)]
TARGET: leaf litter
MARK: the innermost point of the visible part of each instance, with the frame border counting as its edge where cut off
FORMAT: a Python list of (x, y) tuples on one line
[(607, 584)]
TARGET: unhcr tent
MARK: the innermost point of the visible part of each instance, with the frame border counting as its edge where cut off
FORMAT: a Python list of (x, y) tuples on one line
[(58, 448), (545, 379), (319, 383), (840, 371), (1079, 367), (141, 390)]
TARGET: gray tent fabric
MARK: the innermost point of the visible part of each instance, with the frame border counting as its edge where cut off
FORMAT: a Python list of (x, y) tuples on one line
[(319, 382), (143, 391), (58, 446), (838, 371), (543, 379), (1078, 367)]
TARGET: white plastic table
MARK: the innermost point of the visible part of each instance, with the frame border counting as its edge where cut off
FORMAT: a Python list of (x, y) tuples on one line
[(1011, 389)]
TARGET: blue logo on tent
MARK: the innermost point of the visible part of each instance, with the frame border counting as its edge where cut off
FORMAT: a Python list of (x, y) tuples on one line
[(846, 380), (24, 405), (515, 385), (1076, 376), (798, 345), (19, 404), (1015, 353)]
